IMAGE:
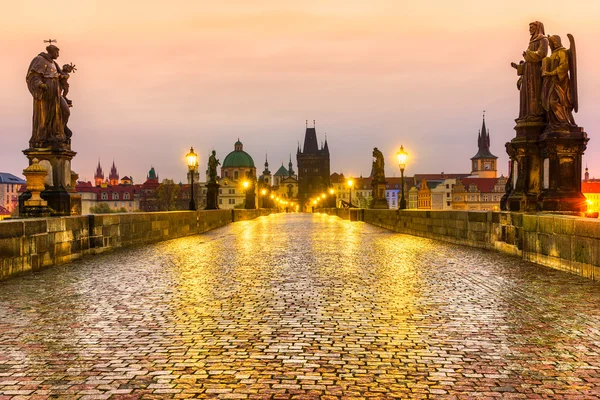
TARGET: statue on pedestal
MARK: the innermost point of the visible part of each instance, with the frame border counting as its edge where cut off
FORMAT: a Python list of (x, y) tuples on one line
[(378, 166), (46, 82), (530, 75), (50, 141), (212, 193), (378, 181), (546, 154)]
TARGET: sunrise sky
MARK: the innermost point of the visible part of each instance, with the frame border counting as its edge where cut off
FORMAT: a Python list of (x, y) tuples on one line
[(156, 77)]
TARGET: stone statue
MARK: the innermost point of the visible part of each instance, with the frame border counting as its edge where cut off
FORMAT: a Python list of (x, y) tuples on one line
[(46, 81), (378, 166), (559, 89), (530, 73), (213, 162), (66, 104)]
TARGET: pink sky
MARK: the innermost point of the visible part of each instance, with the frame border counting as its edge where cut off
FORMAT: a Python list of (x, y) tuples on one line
[(156, 77)]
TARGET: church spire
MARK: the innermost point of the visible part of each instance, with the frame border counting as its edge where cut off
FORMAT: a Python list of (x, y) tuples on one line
[(266, 171), (290, 169), (98, 175)]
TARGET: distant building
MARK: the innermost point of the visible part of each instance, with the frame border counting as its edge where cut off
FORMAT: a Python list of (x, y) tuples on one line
[(313, 168), (238, 166), (591, 190), (483, 194), (285, 183), (4, 213), (9, 191), (118, 195), (484, 162)]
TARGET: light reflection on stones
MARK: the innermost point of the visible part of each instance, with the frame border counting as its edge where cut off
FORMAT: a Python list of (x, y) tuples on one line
[(299, 305)]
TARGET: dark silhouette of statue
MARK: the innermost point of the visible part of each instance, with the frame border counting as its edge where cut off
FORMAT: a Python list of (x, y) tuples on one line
[(378, 166), (530, 73), (559, 90), (46, 83), (213, 162)]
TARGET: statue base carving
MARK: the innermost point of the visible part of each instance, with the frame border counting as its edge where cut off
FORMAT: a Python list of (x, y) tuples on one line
[(61, 197), (250, 203), (379, 201), (525, 175), (562, 153), (212, 196), (33, 211)]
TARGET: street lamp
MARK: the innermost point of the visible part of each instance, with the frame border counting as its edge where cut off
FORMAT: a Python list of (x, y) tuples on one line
[(192, 161), (350, 183), (245, 184), (402, 155), (332, 202)]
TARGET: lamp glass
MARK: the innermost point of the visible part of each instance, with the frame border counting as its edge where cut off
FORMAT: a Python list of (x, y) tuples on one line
[(402, 155), (192, 158)]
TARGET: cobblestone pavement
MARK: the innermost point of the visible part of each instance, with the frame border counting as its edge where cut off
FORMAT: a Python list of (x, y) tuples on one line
[(299, 306)]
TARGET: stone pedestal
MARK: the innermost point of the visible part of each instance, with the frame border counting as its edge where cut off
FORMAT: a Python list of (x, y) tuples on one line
[(561, 154), (250, 199), (58, 181), (212, 196), (524, 186), (378, 192)]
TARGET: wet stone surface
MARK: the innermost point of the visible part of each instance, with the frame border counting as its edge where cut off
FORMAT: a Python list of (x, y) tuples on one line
[(299, 306)]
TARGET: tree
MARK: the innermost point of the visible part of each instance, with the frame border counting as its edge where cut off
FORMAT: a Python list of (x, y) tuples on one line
[(102, 208), (167, 195)]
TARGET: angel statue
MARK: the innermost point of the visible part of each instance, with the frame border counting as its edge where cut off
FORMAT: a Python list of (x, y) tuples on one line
[(559, 87)]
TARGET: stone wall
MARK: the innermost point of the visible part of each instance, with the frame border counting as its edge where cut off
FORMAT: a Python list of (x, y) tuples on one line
[(567, 243), (32, 244)]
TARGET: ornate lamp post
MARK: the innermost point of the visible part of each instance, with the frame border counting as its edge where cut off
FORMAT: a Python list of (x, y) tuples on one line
[(350, 183), (402, 164), (192, 161), (333, 202)]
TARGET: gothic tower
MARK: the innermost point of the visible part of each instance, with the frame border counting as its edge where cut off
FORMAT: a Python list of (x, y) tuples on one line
[(98, 175), (113, 177), (484, 162), (313, 167)]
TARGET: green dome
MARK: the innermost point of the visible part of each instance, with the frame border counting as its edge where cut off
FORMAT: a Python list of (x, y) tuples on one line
[(238, 159)]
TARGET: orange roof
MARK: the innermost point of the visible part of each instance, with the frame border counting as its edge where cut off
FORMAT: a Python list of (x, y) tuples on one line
[(590, 187), (484, 185)]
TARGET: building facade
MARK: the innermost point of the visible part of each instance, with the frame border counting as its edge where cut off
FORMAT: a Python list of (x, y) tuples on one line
[(9, 192), (478, 194), (237, 167)]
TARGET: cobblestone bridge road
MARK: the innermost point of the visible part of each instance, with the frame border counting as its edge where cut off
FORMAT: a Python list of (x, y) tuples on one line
[(299, 306)]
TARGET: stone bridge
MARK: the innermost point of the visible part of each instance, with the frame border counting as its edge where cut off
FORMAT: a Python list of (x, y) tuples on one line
[(299, 306)]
